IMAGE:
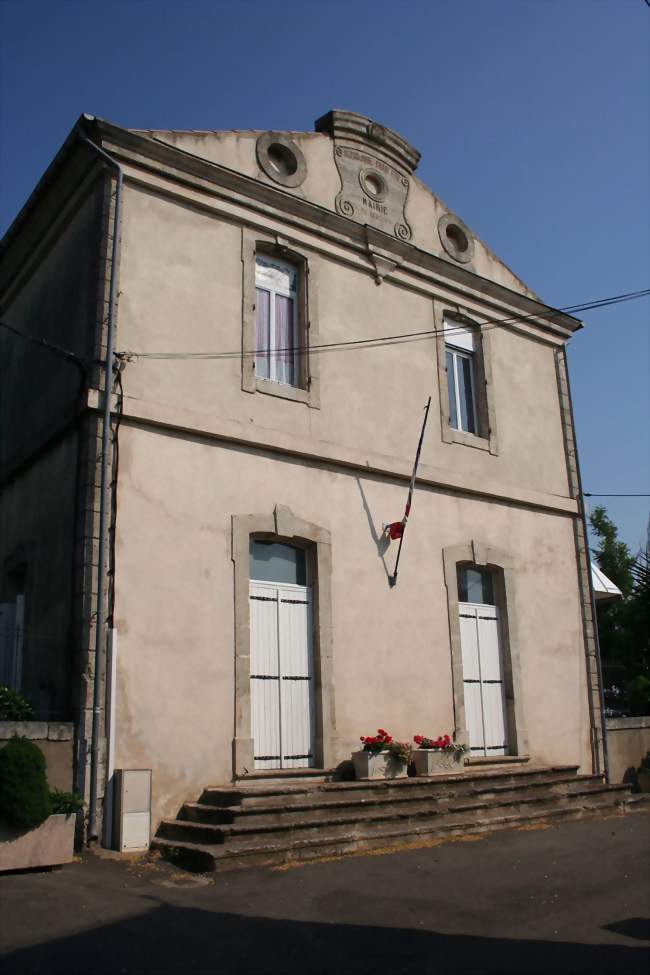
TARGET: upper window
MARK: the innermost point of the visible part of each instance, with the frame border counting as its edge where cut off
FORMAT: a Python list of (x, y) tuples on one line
[(277, 562), (475, 585), (461, 376), (276, 320)]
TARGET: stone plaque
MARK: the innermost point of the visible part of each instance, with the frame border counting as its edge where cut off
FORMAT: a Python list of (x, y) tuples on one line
[(372, 191)]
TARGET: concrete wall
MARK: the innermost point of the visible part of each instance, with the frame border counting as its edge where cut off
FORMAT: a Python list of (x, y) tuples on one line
[(392, 661), (628, 741)]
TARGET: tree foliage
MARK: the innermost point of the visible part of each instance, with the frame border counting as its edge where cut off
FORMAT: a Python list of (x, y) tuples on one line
[(624, 624)]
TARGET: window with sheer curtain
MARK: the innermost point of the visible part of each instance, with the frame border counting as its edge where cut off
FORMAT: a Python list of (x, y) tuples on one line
[(277, 321)]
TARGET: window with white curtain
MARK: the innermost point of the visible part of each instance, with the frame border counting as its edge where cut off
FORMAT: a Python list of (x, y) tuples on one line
[(276, 320), (460, 355)]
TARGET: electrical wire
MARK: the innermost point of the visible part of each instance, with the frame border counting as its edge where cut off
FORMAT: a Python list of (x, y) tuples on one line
[(50, 346), (588, 494), (382, 340), (351, 344)]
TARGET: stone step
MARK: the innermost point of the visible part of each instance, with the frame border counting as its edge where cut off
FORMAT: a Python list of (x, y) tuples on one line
[(291, 793), (496, 760), (637, 802), (315, 806), (207, 858), (297, 776), (370, 819)]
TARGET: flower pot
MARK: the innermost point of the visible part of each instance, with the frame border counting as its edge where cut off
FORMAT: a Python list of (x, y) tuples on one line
[(47, 845), (378, 765), (434, 761)]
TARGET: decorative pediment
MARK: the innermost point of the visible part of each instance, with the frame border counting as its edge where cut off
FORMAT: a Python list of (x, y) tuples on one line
[(374, 164)]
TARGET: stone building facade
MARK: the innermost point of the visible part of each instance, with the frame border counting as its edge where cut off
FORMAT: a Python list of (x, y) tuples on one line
[(283, 306)]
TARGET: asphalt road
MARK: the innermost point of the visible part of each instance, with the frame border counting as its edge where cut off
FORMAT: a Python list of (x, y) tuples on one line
[(568, 898)]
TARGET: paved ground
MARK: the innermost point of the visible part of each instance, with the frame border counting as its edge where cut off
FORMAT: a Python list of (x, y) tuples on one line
[(571, 898)]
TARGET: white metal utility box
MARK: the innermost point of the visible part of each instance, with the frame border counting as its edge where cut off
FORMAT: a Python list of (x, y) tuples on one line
[(132, 809)]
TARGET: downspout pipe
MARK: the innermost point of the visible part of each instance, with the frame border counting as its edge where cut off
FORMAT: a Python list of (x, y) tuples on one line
[(592, 597), (100, 625)]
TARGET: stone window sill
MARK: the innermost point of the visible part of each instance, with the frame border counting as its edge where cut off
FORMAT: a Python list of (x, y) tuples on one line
[(469, 439), (283, 390)]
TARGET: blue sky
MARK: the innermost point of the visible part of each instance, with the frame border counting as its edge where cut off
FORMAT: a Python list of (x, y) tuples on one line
[(531, 116)]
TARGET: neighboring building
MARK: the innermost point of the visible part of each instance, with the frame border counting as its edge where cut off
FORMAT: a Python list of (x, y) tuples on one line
[(246, 597)]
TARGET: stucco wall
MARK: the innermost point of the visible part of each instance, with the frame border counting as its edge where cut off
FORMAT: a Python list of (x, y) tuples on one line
[(51, 295), (392, 663), (628, 741), (236, 150), (181, 291), (37, 535)]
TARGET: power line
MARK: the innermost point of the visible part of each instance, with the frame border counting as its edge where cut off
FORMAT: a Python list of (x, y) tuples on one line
[(378, 341), (588, 494), (50, 346)]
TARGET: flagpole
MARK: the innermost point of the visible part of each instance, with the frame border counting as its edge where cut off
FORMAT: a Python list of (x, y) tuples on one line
[(392, 580)]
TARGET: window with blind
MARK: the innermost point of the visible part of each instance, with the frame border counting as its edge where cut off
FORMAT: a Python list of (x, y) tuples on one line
[(277, 332), (461, 376)]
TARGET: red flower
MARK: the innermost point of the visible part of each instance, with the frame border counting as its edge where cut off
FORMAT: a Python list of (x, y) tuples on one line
[(417, 739), (380, 731)]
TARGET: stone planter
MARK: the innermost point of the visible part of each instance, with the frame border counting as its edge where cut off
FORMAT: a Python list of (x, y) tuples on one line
[(49, 845), (643, 778), (433, 761), (378, 765)]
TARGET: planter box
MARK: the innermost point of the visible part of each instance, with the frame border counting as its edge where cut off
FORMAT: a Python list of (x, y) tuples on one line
[(48, 845), (643, 778), (431, 761), (377, 765)]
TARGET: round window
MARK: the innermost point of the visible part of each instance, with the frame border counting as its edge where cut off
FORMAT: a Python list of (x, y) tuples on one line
[(281, 159), (373, 183), (456, 238)]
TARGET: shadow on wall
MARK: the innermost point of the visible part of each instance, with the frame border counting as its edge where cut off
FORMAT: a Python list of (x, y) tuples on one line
[(380, 539), (183, 940)]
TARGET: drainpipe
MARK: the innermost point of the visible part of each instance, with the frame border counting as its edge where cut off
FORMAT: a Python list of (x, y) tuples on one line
[(592, 598), (100, 627)]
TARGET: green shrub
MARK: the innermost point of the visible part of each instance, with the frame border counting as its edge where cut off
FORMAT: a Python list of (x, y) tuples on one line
[(13, 707), (24, 795), (65, 802), (638, 692)]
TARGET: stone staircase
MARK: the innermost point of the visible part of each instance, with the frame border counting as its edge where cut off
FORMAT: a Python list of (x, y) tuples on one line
[(280, 818)]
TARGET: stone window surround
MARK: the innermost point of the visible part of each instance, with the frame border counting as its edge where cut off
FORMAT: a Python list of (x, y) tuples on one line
[(483, 556), (275, 245), (282, 525), (487, 438)]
